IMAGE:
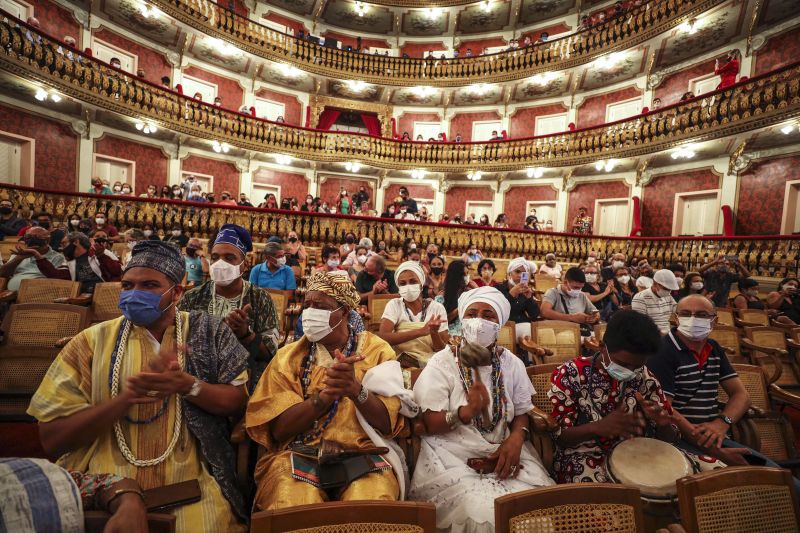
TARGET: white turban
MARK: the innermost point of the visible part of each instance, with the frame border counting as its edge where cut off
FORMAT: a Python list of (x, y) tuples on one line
[(488, 295), (644, 282), (518, 262), (414, 267)]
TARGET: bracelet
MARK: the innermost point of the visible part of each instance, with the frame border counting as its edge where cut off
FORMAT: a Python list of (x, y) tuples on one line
[(120, 492), (452, 419)]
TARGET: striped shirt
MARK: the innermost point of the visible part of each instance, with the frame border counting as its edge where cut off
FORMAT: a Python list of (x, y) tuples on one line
[(691, 387), (659, 309)]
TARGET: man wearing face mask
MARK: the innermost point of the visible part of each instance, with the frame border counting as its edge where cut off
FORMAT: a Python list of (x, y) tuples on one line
[(718, 278), (45, 220), (475, 396), (657, 301), (10, 224), (86, 261), (599, 401), (148, 395), (413, 325), (352, 257), (273, 273), (409, 203), (196, 263), (248, 310), (338, 383), (569, 302), (375, 278), (617, 262), (177, 237), (23, 264), (691, 367)]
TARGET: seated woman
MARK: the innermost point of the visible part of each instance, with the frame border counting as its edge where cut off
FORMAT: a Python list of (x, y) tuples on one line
[(416, 327), (331, 384), (453, 400), (486, 270), (692, 284), (623, 288), (748, 295), (434, 286), (456, 281), (786, 300), (518, 290), (295, 251)]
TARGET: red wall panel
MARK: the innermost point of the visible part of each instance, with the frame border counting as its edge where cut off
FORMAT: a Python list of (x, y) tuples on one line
[(455, 200), (478, 45), (462, 123), (226, 175), (414, 191), (55, 20), (405, 122), (658, 198), (523, 121), (351, 41), (293, 109), (295, 25), (154, 64), (761, 193), (55, 152), (779, 51), (291, 183), (593, 110), (421, 49), (151, 163), (228, 89), (584, 195), (329, 190), (674, 86), (554, 29), (517, 197)]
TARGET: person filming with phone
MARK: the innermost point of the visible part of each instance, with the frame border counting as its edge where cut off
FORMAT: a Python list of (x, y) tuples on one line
[(720, 274), (518, 290)]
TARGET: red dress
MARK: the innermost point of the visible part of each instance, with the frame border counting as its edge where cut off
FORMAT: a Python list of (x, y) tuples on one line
[(728, 72)]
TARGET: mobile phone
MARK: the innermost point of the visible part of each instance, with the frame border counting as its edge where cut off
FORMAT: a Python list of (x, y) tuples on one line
[(523, 278)]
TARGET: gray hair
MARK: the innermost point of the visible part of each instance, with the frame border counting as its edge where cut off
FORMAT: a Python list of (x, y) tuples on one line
[(272, 248), (378, 261), (80, 238)]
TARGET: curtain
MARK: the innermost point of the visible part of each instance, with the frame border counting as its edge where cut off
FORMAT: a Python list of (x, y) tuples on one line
[(727, 221), (394, 128), (636, 228), (372, 123), (327, 118), (308, 116)]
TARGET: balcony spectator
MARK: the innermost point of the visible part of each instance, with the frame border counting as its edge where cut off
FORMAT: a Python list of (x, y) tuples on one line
[(226, 199), (458, 138), (687, 96), (116, 188), (166, 192), (10, 224), (496, 136), (420, 138), (166, 83), (198, 97), (127, 189), (280, 119), (548, 225), (656, 104), (210, 198), (140, 73), (468, 53), (543, 37), (501, 222), (196, 194), (526, 42), (727, 70), (657, 301), (23, 263), (101, 224), (361, 195), (273, 273), (87, 262), (365, 211), (343, 204), (718, 278), (270, 202), (409, 202), (177, 237), (244, 201), (405, 137), (218, 101), (115, 62), (484, 221), (98, 187), (582, 223)]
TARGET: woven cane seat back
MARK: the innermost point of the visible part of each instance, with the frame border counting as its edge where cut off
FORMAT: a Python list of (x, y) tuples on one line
[(41, 325), (748, 509), (507, 338), (376, 305), (754, 316), (105, 301), (725, 316), (586, 518), (772, 437), (540, 378), (42, 290), (362, 527), (728, 337), (544, 282), (752, 378), (281, 301), (563, 338), (22, 374)]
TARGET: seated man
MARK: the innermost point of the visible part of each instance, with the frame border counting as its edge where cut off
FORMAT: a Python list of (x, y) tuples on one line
[(600, 400), (657, 301), (10, 223), (352, 257), (569, 302), (148, 395), (196, 263), (338, 383), (375, 278), (87, 262), (273, 273), (247, 310), (691, 367), (23, 264)]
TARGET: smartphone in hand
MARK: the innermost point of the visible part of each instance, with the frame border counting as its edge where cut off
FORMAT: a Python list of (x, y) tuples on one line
[(524, 278)]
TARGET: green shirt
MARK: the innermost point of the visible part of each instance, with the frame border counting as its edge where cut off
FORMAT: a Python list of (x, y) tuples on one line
[(27, 269)]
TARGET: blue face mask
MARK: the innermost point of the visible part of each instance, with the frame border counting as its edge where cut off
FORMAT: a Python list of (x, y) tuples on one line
[(617, 371), (142, 307)]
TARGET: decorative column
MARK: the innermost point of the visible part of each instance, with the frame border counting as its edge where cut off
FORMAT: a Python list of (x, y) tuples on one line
[(568, 183), (87, 134), (439, 196)]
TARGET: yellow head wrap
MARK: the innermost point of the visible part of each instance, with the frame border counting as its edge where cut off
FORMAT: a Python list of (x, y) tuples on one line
[(338, 286)]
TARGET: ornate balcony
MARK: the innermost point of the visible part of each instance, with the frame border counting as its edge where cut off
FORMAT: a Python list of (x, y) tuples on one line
[(756, 103), (637, 26), (767, 257)]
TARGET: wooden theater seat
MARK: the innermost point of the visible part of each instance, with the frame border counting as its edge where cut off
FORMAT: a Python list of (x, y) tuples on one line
[(729, 338), (285, 311), (44, 290), (770, 349), (559, 336), (507, 337), (726, 316), (105, 301), (376, 304), (348, 517), (578, 507)]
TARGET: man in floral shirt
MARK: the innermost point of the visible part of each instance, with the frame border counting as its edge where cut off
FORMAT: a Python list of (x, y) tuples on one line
[(599, 401)]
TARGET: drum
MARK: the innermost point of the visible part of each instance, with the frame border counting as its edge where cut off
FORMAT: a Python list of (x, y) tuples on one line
[(653, 467)]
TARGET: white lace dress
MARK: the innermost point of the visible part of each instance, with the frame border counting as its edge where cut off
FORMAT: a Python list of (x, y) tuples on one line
[(464, 499)]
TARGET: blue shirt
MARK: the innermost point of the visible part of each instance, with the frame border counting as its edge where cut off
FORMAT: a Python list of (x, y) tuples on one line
[(282, 279)]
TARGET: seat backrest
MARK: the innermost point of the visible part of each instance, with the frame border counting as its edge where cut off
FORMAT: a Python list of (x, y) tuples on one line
[(376, 304), (755, 382), (281, 300), (507, 338), (728, 337), (120, 249), (562, 337), (754, 316), (545, 282), (501, 269), (585, 507), (725, 316), (740, 499), (767, 336), (44, 291), (540, 378), (348, 517), (600, 330), (41, 325), (8, 247), (105, 301)]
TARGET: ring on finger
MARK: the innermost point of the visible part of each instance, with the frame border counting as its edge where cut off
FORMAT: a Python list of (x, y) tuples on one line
[(513, 469)]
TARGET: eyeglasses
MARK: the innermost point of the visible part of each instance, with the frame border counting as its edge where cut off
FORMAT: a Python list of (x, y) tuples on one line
[(698, 314)]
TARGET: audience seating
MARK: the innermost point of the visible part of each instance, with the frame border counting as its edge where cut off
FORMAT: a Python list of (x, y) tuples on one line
[(43, 290), (765, 342), (348, 517), (282, 300), (579, 507), (730, 339), (119, 249), (543, 423), (561, 337), (751, 317), (740, 499), (27, 351), (95, 522), (376, 304), (8, 247), (725, 316), (105, 301), (544, 282), (507, 338)]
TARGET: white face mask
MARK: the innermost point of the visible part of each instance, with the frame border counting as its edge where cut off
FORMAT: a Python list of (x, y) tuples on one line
[(697, 285), (574, 293), (148, 232), (617, 264), (362, 259), (591, 260), (176, 233), (99, 221), (333, 263), (411, 292), (317, 323), (480, 331), (591, 278), (74, 222), (280, 261), (694, 328), (662, 293), (624, 279), (132, 244), (223, 273)]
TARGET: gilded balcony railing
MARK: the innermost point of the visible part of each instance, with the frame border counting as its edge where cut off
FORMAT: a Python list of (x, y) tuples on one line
[(759, 102), (773, 256), (634, 27)]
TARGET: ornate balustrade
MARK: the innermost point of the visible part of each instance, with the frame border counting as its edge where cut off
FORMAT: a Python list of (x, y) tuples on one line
[(759, 102), (636, 26), (772, 256)]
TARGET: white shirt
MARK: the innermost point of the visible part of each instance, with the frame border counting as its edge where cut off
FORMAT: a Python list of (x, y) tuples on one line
[(659, 309), (351, 260), (554, 271), (396, 312)]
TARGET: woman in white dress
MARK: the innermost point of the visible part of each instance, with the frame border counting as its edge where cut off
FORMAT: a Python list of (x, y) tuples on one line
[(452, 402)]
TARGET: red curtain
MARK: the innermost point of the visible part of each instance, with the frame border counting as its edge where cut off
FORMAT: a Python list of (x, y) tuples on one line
[(308, 116), (394, 128), (327, 118), (636, 228), (727, 221), (372, 123)]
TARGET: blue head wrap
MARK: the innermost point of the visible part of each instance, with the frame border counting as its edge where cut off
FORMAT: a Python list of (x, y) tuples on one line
[(235, 236)]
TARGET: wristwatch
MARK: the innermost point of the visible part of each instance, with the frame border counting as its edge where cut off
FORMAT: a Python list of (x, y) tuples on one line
[(195, 389), (725, 419), (363, 395)]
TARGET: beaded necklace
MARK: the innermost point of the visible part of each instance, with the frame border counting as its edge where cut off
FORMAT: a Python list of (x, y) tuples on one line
[(423, 312), (305, 380), (499, 399)]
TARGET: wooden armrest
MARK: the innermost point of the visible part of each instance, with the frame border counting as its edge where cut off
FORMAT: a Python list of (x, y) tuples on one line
[(238, 433), (592, 344), (781, 395), (743, 324), (672, 528), (83, 299), (728, 350), (783, 325), (747, 343), (60, 343), (8, 296), (542, 422), (794, 345), (534, 348)]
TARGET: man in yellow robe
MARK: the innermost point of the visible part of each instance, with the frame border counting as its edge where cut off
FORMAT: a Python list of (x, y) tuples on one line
[(315, 389), (146, 396)]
